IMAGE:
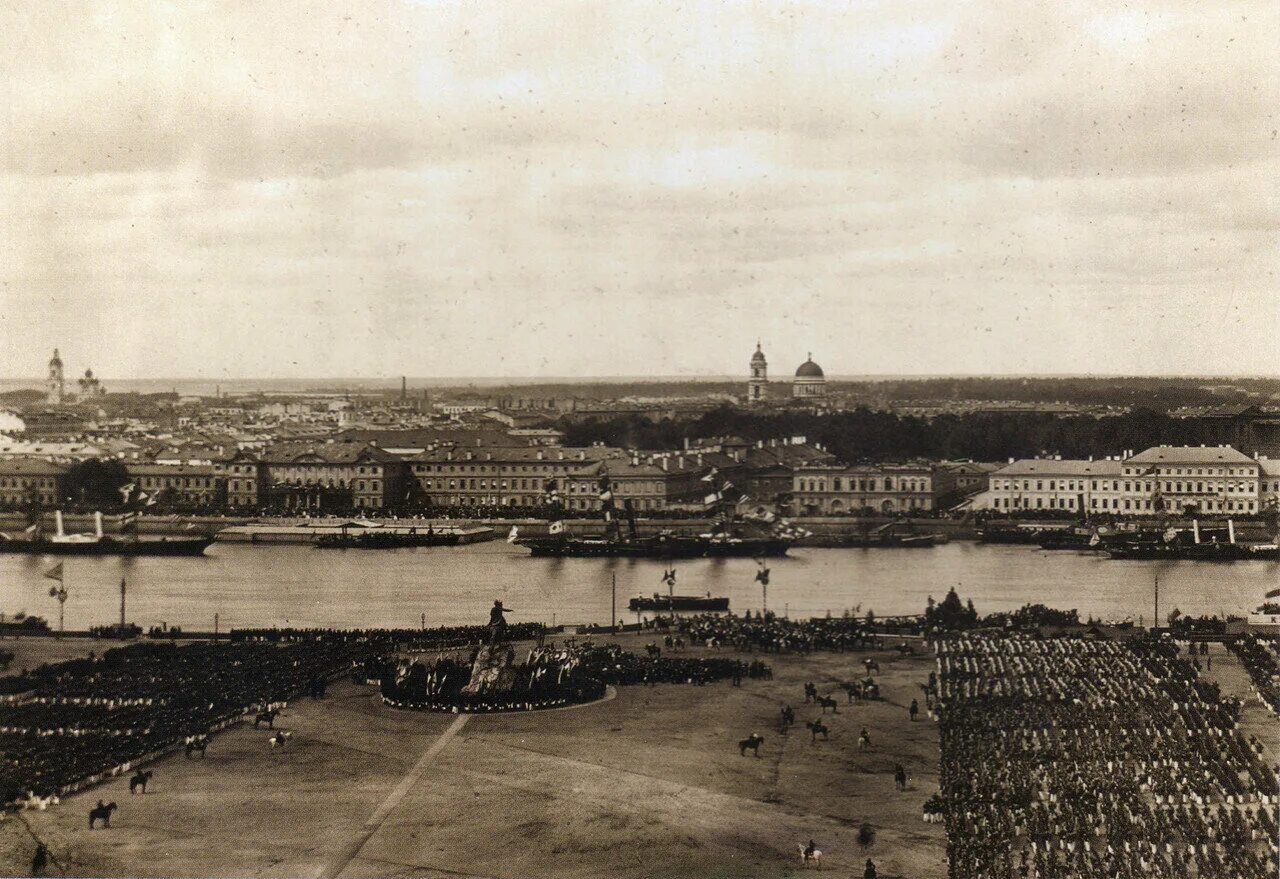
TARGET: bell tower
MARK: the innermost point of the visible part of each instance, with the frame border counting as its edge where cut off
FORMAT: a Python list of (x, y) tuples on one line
[(54, 386), (758, 383)]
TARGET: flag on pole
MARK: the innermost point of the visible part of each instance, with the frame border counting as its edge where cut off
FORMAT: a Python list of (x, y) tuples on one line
[(711, 475), (126, 490), (55, 573)]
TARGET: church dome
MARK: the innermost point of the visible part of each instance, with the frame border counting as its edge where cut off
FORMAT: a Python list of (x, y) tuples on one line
[(757, 357), (56, 361), (809, 369)]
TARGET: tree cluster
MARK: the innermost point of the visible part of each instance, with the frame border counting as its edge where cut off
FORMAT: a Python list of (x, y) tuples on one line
[(869, 435)]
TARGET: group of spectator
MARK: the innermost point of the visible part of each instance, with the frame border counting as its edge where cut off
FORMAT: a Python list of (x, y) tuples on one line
[(436, 638), (550, 675), (1260, 657), (74, 722), (1083, 758), (769, 633)]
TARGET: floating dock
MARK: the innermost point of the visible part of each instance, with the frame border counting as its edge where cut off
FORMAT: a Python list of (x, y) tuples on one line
[(311, 532)]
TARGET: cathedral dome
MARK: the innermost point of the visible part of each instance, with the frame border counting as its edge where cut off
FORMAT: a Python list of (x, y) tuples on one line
[(809, 369), (757, 357)]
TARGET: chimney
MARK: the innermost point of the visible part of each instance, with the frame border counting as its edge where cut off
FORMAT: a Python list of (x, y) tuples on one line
[(686, 444)]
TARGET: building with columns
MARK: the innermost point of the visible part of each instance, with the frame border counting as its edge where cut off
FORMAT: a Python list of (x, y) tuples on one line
[(810, 382), (1176, 480), (832, 488), (757, 385)]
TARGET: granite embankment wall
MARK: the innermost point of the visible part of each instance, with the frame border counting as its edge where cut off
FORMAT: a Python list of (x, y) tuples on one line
[(1249, 530)]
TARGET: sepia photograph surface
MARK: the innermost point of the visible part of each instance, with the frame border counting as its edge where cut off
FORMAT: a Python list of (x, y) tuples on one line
[(642, 440)]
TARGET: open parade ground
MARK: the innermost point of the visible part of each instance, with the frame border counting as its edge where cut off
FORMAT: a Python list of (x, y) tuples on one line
[(648, 782)]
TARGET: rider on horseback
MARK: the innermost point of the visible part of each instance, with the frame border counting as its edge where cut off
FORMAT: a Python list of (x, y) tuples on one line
[(497, 623)]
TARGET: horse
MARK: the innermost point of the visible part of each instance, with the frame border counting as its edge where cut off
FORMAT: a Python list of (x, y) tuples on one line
[(197, 743), (788, 717), (900, 777), (752, 743), (810, 693), (818, 728), (864, 739), (828, 702), (871, 665), (268, 717), (854, 691), (139, 780), (806, 856), (103, 812), (905, 649), (280, 738)]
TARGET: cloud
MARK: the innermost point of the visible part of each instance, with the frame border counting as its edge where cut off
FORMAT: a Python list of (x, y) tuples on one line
[(573, 188)]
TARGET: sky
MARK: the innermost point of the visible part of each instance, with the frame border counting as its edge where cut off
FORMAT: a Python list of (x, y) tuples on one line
[(373, 189)]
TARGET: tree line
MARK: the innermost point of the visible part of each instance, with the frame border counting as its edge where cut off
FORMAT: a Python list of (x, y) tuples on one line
[(868, 435)]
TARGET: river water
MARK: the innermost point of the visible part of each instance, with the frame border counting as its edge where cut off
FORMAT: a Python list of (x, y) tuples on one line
[(303, 586)]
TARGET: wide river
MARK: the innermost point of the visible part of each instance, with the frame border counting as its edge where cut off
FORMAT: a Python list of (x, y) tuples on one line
[(302, 586)]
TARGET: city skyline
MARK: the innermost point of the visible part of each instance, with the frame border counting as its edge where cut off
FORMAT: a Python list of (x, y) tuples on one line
[(565, 191)]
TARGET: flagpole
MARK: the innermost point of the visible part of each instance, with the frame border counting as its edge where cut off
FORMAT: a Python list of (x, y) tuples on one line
[(1155, 622), (59, 592), (613, 603)]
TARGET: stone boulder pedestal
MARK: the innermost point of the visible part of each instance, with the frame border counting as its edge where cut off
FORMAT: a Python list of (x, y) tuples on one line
[(492, 671)]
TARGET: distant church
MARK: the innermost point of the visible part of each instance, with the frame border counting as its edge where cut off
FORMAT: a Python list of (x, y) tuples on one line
[(809, 382), (55, 388)]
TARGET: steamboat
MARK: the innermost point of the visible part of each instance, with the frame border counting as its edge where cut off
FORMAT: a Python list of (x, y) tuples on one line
[(729, 537), (34, 541)]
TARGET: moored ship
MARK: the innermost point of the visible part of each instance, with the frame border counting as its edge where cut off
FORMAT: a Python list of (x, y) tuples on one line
[(34, 542), (1208, 544), (728, 537), (348, 538), (667, 603)]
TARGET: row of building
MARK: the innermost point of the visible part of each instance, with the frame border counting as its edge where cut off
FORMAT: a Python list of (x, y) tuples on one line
[(397, 470), (1199, 480), (1214, 480), (415, 469)]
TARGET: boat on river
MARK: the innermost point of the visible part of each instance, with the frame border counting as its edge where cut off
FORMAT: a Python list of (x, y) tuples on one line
[(668, 603), (729, 537), (891, 535), (357, 536), (34, 542), (1201, 544)]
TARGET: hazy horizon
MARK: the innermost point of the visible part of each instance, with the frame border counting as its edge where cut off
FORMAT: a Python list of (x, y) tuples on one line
[(393, 382)]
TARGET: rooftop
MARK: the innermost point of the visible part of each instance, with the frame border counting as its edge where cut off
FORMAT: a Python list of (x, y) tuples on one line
[(1060, 467), (1191, 455)]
